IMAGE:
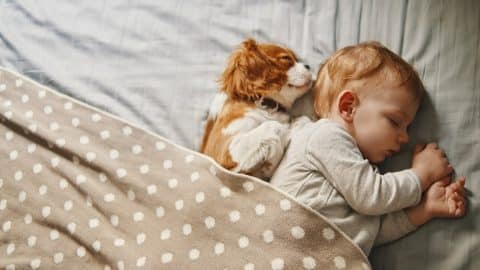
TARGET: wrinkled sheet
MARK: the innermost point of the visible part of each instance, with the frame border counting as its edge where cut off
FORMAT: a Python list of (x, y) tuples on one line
[(155, 63)]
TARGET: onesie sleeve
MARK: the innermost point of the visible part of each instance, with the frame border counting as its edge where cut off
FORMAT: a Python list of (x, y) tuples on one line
[(332, 152), (392, 227)]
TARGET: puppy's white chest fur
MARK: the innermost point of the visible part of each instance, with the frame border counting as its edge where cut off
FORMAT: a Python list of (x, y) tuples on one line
[(252, 119)]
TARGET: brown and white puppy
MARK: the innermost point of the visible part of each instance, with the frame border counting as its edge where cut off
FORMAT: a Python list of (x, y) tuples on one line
[(248, 122)]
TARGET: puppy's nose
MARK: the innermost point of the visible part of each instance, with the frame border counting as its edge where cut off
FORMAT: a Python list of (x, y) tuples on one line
[(307, 67)]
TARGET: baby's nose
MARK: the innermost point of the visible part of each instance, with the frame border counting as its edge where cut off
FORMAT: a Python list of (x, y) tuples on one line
[(403, 138)]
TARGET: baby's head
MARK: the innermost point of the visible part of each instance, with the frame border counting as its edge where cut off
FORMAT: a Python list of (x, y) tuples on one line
[(373, 93)]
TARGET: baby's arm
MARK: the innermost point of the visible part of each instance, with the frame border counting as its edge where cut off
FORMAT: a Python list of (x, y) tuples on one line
[(442, 199)]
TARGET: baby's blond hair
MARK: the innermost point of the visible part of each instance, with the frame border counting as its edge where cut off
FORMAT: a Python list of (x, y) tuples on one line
[(360, 67)]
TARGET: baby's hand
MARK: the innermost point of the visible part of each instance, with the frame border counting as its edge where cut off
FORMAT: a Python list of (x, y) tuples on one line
[(445, 199), (430, 164)]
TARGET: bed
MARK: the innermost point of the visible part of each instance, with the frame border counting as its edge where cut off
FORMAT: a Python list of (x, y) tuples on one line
[(153, 66)]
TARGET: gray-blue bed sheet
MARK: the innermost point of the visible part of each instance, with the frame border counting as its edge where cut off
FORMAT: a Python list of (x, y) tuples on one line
[(155, 63)]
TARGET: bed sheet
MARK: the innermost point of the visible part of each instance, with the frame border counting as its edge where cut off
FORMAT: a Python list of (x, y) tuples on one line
[(155, 63)]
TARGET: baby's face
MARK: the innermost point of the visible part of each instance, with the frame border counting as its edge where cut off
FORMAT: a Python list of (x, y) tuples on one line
[(380, 121)]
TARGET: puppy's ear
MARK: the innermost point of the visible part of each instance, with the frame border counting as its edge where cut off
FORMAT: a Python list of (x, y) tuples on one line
[(250, 44)]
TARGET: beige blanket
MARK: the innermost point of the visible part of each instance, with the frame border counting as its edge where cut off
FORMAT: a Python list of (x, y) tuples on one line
[(81, 189)]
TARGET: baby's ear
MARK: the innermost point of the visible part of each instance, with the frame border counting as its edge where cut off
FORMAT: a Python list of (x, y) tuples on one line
[(347, 102)]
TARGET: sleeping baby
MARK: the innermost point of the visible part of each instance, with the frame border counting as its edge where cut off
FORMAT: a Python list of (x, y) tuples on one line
[(366, 97)]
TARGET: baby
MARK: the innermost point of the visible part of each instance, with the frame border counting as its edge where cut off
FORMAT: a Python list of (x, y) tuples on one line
[(366, 97)]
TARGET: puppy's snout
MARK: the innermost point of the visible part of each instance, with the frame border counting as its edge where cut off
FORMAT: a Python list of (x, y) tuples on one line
[(307, 66)]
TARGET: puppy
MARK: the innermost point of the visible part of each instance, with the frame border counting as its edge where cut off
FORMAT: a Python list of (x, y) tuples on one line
[(248, 122)]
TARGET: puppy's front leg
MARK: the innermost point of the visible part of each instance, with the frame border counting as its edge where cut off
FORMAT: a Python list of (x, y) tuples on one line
[(263, 145)]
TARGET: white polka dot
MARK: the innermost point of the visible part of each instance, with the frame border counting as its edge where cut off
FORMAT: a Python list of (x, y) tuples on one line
[(28, 219), (187, 229), (189, 158), (268, 236), (68, 105), (35, 263), (121, 172), (10, 267), (105, 134), (3, 204), (144, 169), (96, 117), (172, 183), (194, 254), (309, 263), (107, 267), (102, 177), (75, 122), (7, 225), (285, 205), (165, 234), (179, 205), (114, 220), (54, 235), (68, 205), (328, 233), (60, 142), (10, 248), (127, 131), (109, 197), (209, 222), (58, 257), (151, 189), (131, 195), (137, 149), (29, 114), (81, 252), (339, 262), (160, 211), (9, 136), (54, 161), (138, 216), (118, 242), (225, 192), (71, 227), (160, 145), (37, 168), (8, 114), (91, 156), (113, 154), (81, 179), (25, 98), (47, 109), (219, 248), (141, 237), (2, 87), (260, 209), (1, 182), (248, 186), (13, 155), (22, 196), (46, 210), (194, 177), (31, 240), (31, 148), (167, 258), (42, 93), (141, 261), (277, 264), (84, 139), (7, 103), (93, 223), (212, 170), (54, 126), (121, 265), (249, 266), (243, 242), (200, 197), (63, 184), (42, 190), (234, 216), (167, 164), (297, 232), (18, 82), (97, 245), (18, 175)]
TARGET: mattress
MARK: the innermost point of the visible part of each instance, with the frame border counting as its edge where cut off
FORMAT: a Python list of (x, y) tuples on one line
[(156, 64)]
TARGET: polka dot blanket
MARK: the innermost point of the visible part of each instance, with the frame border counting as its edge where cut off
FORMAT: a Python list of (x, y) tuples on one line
[(82, 189)]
